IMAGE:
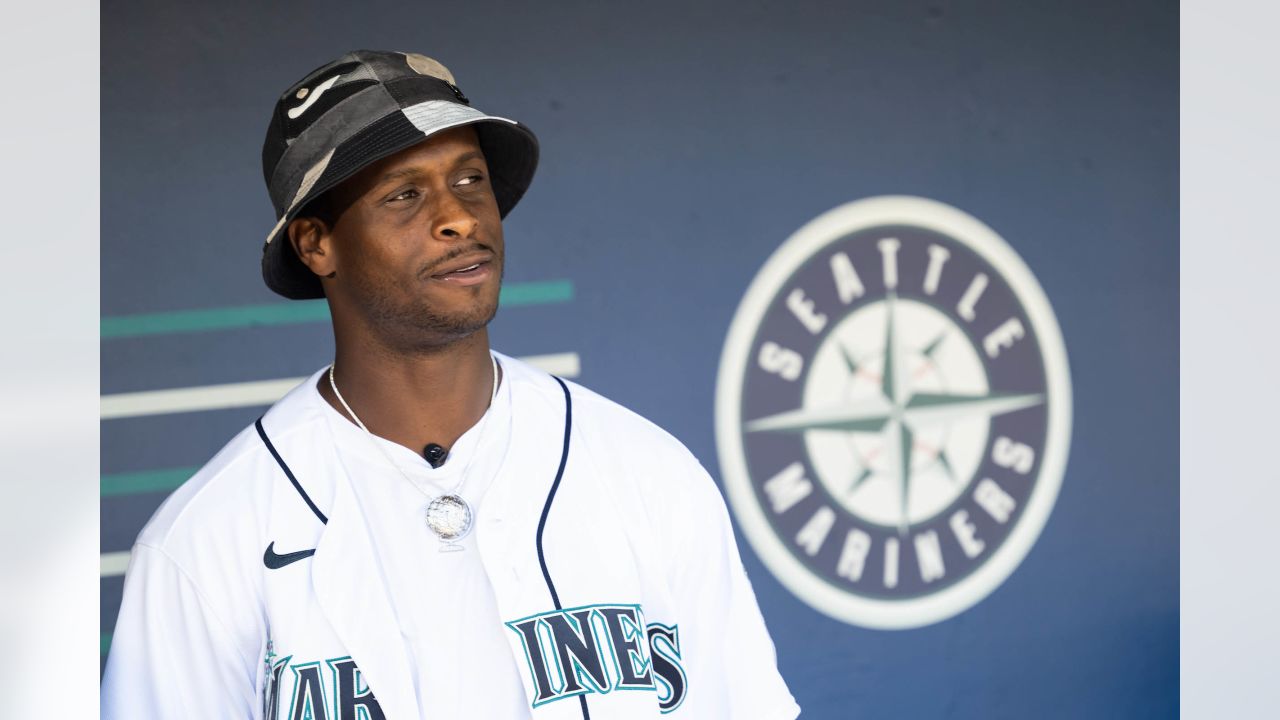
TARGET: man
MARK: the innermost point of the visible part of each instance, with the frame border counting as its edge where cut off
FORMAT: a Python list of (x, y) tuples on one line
[(427, 528)]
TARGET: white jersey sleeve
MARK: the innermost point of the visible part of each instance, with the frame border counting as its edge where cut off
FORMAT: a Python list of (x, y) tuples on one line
[(730, 658), (171, 655)]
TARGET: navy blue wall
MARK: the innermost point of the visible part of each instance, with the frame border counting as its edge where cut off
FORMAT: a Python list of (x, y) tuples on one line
[(681, 145)]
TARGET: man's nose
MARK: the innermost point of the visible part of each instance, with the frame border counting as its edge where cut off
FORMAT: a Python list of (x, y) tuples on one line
[(453, 220)]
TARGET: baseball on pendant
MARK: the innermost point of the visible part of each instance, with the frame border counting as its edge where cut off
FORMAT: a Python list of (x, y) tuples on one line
[(449, 517)]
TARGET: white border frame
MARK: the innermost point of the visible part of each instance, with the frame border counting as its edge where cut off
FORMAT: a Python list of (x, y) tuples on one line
[(49, 372), (1229, 648)]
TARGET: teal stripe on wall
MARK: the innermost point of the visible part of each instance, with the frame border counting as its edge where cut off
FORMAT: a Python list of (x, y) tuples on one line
[(147, 481), (293, 313)]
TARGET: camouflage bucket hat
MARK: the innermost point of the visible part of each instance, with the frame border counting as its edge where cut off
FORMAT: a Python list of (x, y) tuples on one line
[(356, 110)]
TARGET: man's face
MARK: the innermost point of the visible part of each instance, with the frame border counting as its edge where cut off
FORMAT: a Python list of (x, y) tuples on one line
[(417, 246)]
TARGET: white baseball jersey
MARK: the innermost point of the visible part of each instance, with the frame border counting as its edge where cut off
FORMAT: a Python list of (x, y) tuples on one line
[(293, 577)]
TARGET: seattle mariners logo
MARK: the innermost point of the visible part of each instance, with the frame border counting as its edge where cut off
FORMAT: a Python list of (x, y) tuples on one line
[(893, 412)]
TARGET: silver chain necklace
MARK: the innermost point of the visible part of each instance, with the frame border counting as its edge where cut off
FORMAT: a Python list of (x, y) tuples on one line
[(448, 514)]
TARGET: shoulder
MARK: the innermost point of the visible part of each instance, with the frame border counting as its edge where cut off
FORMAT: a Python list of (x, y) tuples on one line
[(637, 458), (597, 418), (628, 431), (227, 500)]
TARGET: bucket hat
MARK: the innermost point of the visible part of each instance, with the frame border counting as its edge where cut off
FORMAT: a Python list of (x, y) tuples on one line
[(356, 110)]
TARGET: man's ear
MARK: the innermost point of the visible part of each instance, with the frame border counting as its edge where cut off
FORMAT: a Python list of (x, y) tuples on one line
[(312, 240)]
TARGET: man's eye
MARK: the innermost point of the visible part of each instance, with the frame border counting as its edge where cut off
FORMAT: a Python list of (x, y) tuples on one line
[(471, 180), (406, 195)]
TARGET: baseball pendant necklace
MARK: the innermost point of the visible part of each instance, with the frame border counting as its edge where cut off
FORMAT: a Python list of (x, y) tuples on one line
[(448, 514)]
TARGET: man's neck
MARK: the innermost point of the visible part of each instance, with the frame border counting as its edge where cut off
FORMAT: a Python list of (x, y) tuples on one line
[(416, 399)]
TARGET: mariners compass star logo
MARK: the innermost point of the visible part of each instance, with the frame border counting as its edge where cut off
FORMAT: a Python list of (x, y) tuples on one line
[(893, 412)]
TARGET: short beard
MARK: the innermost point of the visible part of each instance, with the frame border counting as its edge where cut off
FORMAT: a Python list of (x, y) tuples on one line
[(420, 329)]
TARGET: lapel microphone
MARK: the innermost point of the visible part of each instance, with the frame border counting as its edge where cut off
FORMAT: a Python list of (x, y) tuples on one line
[(435, 454)]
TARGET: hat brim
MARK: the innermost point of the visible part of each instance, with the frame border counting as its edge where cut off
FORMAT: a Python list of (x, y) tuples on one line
[(510, 150)]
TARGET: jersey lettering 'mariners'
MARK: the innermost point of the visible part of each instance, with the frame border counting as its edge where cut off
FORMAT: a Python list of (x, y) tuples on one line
[(598, 649), (309, 698)]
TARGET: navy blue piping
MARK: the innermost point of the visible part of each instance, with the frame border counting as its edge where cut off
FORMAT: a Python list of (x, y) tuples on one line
[(296, 485), (546, 510), (551, 496)]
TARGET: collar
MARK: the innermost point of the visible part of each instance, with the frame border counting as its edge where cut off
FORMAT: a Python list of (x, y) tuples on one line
[(488, 437)]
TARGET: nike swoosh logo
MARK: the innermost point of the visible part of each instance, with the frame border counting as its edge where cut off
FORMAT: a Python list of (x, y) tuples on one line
[(275, 562), (311, 99)]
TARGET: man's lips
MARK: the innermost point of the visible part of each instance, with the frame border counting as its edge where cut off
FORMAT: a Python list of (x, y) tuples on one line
[(466, 270)]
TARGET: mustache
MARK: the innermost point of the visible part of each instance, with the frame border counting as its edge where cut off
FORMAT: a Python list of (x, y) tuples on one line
[(457, 252)]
